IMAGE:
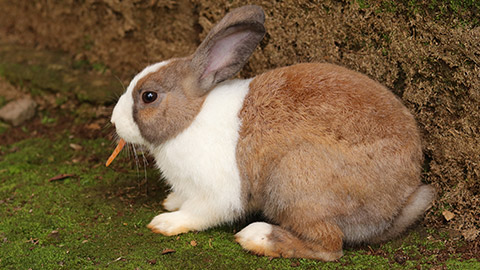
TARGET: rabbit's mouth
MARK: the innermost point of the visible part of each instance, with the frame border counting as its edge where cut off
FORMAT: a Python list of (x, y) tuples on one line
[(137, 151)]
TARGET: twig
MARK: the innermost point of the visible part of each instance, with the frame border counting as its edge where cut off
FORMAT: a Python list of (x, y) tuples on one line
[(60, 177)]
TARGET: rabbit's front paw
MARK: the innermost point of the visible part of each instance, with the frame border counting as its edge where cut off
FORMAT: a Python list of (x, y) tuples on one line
[(170, 223), (173, 202)]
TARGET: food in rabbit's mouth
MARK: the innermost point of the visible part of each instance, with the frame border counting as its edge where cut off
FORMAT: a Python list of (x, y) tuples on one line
[(115, 153)]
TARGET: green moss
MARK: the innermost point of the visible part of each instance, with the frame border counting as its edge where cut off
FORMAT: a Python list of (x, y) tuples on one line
[(388, 6), (457, 12), (43, 71), (46, 120), (61, 100), (99, 67), (469, 264), (97, 218), (3, 127), (363, 4), (360, 260)]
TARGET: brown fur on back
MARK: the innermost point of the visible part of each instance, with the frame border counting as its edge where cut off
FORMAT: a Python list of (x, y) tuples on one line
[(321, 142)]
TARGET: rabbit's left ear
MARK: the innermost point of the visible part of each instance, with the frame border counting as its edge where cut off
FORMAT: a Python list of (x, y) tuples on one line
[(228, 46)]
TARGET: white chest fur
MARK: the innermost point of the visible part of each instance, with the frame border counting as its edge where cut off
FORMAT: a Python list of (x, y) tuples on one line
[(200, 163)]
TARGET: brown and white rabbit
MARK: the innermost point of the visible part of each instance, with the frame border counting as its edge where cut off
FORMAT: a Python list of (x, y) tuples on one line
[(326, 154)]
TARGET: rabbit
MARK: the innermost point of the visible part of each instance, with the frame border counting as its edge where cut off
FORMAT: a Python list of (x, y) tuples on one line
[(327, 155)]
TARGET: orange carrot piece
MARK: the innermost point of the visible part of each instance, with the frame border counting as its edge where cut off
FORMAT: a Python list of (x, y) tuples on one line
[(115, 153)]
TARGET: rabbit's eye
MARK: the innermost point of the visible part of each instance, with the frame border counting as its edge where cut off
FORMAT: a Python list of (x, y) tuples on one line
[(149, 97)]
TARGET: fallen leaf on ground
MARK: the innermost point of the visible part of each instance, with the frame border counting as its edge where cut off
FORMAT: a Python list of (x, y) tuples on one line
[(448, 215), (295, 264), (471, 234), (62, 176), (193, 243), (94, 126), (168, 251), (54, 234)]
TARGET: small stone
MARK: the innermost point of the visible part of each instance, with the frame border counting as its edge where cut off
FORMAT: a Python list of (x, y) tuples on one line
[(76, 147), (54, 234), (18, 111), (400, 258)]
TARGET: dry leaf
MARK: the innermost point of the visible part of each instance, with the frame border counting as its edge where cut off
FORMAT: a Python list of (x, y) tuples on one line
[(168, 251), (94, 126), (61, 177), (448, 215), (193, 243), (53, 234), (471, 234), (295, 264)]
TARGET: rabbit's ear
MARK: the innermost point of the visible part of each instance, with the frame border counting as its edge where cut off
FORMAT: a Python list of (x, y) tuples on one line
[(228, 46)]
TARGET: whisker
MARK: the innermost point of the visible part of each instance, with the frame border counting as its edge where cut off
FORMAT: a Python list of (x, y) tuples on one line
[(115, 139), (115, 96), (129, 150), (137, 162), (120, 81), (145, 161), (145, 164), (108, 126)]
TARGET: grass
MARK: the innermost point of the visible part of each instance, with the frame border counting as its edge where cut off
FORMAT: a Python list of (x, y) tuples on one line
[(97, 218)]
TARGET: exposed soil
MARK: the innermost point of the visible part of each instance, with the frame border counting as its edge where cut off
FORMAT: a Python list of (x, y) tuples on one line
[(429, 55)]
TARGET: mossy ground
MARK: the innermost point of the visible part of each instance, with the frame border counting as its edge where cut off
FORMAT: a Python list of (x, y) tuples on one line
[(97, 217)]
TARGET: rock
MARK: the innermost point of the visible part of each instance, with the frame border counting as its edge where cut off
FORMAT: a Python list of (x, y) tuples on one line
[(18, 111)]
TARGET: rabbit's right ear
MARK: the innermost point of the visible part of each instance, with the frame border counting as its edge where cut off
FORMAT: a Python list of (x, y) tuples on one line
[(228, 46)]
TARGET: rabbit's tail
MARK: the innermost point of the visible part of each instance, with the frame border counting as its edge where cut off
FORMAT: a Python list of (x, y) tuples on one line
[(271, 240), (418, 202)]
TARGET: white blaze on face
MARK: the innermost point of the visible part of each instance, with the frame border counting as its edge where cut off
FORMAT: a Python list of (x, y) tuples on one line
[(122, 116)]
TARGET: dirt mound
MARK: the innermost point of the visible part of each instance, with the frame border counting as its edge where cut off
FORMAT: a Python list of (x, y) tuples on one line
[(428, 54)]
